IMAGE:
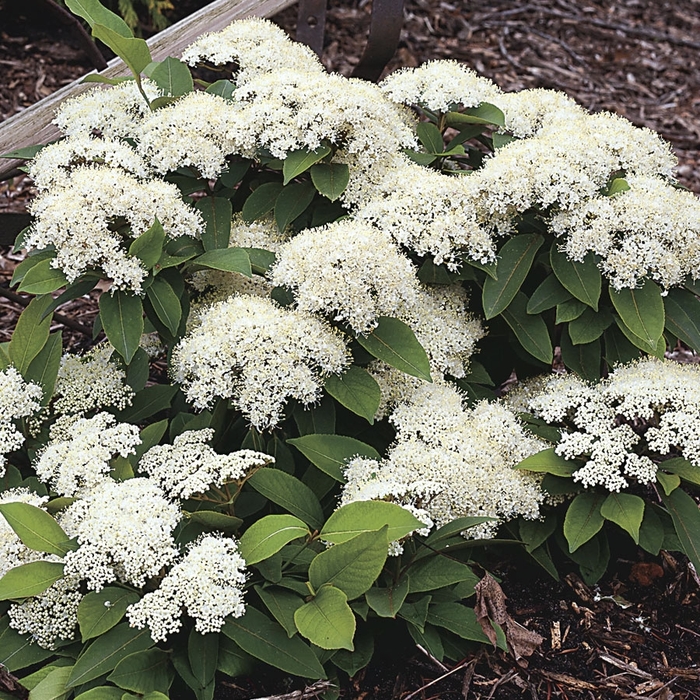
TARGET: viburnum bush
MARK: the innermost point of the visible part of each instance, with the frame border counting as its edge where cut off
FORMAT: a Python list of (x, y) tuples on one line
[(318, 261)]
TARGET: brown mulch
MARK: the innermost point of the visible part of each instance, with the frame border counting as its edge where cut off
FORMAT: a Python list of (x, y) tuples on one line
[(637, 635)]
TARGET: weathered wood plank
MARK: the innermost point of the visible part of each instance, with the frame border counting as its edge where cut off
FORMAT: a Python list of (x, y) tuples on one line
[(33, 125)]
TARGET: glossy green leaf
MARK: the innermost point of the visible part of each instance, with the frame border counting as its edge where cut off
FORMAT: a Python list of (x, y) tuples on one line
[(93, 12), (582, 279), (583, 519), (31, 333), (300, 161), (549, 462), (686, 521), (260, 260), (456, 527), (618, 350), (387, 602), (641, 310), (549, 294), (457, 618), (651, 532), (589, 326), (165, 303), (266, 640), (227, 259), (173, 77), (268, 535), (433, 573), (144, 672), (233, 661), (122, 319), (585, 360), (327, 620), (17, 651), (514, 262), (393, 342), (357, 390), (148, 247), (330, 179), (29, 263), (330, 453), (485, 113), (430, 137), (353, 566), (657, 349), (134, 52), (222, 88), (683, 468), (531, 331), (42, 278), (203, 655), (30, 579), (43, 369), (625, 510), (292, 201), (282, 603), (54, 686), (36, 528), (261, 201), (101, 610), (217, 213), (569, 310), (357, 517), (534, 533), (682, 310), (289, 492), (668, 482), (353, 661), (148, 402), (215, 520)]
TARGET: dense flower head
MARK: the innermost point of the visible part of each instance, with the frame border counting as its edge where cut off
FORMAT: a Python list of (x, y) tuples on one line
[(451, 461), (125, 533), (190, 466), (90, 382), (207, 583), (350, 271), (259, 355), (18, 399), (78, 460)]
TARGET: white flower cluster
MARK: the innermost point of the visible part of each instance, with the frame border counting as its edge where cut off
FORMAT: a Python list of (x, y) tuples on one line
[(190, 466), (649, 408), (451, 462), (125, 533), (18, 399), (257, 354), (207, 583), (91, 381), (78, 459), (12, 551)]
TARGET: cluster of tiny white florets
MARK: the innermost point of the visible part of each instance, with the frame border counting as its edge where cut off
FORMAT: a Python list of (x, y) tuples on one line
[(51, 616), (527, 112), (349, 271), (78, 460), (649, 408), (207, 583), (77, 219), (91, 381), (190, 466), (451, 461), (12, 551), (650, 230), (124, 530), (259, 355), (18, 399)]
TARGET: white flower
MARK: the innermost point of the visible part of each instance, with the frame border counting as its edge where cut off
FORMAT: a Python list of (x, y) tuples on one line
[(12, 552)]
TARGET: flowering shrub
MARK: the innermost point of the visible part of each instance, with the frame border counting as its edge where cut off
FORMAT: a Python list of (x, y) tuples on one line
[(318, 261)]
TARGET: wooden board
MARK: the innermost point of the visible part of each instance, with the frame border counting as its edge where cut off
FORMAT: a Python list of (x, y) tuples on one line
[(33, 125)]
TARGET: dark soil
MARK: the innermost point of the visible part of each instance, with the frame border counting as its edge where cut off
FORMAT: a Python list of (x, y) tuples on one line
[(637, 635)]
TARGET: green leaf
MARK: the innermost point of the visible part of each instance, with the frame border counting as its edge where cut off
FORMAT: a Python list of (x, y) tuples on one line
[(569, 310), (42, 278), (261, 201), (260, 260), (31, 334), (668, 482), (268, 535), (485, 113), (143, 672), (583, 519), (292, 202), (93, 12), (514, 262), (582, 279), (287, 491), (357, 390), (589, 326), (203, 655), (99, 611), (534, 533), (165, 303), (282, 603), (18, 651), (353, 566), (353, 661), (215, 520), (134, 52), (429, 638), (625, 510), (618, 350), (222, 88), (54, 686), (457, 618), (683, 316), (266, 640), (549, 462), (107, 651), (233, 661), (393, 342), (227, 259), (26, 153), (359, 517), (33, 679), (122, 320), (658, 349), (686, 521), (387, 602), (531, 331), (549, 294), (436, 572), (148, 402), (217, 213), (641, 310), (455, 527), (148, 247), (584, 360), (423, 159), (651, 532), (30, 579), (30, 262), (327, 620), (683, 468), (173, 77), (300, 161), (330, 453), (330, 179), (36, 528), (430, 137), (43, 369)]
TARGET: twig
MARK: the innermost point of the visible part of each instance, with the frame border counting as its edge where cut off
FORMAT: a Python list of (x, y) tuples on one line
[(440, 678), (439, 664), (554, 40), (311, 691), (628, 668), (60, 318)]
